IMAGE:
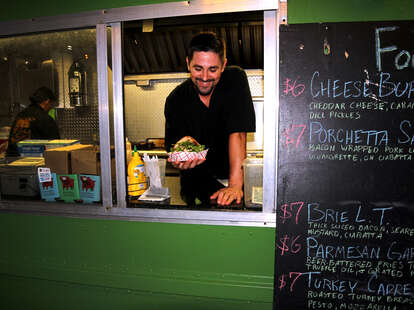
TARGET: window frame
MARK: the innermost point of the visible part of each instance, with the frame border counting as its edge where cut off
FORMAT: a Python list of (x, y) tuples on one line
[(112, 18)]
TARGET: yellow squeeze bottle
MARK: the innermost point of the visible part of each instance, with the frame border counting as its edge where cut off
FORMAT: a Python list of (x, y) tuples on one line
[(137, 181)]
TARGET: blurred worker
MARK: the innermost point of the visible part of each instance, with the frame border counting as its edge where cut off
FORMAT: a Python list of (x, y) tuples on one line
[(34, 122)]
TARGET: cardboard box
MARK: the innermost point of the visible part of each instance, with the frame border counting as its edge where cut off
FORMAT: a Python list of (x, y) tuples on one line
[(87, 161), (59, 159)]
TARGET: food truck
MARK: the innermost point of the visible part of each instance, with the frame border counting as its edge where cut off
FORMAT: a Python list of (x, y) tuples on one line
[(72, 235)]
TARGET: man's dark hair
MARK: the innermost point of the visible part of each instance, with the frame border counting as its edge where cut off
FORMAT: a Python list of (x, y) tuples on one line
[(206, 42), (42, 94)]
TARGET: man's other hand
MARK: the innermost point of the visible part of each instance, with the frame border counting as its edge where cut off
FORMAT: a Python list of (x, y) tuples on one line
[(227, 195)]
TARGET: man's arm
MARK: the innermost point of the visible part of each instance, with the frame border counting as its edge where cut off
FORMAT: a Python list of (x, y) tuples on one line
[(237, 153)]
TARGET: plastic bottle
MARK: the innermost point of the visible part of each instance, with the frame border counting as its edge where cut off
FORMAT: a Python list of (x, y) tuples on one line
[(128, 149), (137, 181)]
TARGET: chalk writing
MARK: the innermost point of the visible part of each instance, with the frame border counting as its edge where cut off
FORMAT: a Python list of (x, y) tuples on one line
[(344, 238), (294, 247), (405, 127), (392, 289), (317, 214), (386, 87), (291, 209), (327, 284), (406, 254), (394, 88), (319, 134), (336, 88), (314, 248), (293, 88), (401, 60), (293, 276), (324, 260), (321, 147), (293, 134), (403, 230)]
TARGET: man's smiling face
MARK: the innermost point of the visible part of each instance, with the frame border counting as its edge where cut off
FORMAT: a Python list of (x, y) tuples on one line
[(205, 71)]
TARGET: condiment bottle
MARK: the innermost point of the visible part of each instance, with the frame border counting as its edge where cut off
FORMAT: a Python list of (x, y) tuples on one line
[(128, 149), (137, 181)]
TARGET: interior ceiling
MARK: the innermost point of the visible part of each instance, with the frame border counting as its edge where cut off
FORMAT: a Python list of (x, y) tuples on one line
[(163, 49)]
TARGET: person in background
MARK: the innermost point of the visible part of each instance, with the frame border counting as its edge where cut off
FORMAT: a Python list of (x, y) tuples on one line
[(214, 107), (34, 121)]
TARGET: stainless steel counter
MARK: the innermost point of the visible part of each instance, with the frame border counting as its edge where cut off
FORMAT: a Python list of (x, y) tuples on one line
[(152, 152)]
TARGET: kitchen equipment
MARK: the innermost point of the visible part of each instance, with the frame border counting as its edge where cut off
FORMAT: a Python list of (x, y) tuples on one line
[(156, 142), (144, 145), (19, 177), (150, 144), (253, 182)]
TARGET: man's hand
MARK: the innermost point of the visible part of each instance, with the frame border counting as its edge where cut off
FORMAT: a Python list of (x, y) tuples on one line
[(188, 164), (227, 195)]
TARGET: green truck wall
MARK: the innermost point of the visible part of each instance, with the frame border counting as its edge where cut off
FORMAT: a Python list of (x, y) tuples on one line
[(23, 9), (101, 264), (299, 11), (321, 11)]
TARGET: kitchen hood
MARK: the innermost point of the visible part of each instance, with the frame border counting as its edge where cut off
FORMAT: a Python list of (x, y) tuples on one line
[(161, 49)]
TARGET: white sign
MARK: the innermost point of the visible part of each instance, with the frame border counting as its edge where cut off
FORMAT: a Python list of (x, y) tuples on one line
[(44, 175)]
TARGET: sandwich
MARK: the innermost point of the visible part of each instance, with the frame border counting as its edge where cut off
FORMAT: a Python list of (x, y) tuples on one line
[(187, 144), (187, 148)]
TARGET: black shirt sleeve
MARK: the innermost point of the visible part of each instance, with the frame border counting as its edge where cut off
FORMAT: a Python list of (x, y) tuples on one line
[(239, 105)]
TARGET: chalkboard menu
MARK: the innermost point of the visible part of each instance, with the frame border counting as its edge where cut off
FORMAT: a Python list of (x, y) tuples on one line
[(345, 205)]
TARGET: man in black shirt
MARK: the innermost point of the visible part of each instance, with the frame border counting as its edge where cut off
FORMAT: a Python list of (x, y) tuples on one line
[(215, 108), (34, 121)]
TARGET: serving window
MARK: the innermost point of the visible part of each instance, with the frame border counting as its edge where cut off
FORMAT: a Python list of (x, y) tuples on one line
[(130, 67), (154, 53)]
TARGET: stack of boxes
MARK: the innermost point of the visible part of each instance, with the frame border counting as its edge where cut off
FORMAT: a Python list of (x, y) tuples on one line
[(19, 175), (74, 174)]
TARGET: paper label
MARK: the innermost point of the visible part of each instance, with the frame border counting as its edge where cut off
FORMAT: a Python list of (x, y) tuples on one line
[(257, 194), (44, 174), (74, 85), (139, 169)]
